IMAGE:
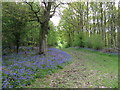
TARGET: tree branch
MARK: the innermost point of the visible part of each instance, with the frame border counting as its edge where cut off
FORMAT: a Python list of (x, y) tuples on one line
[(35, 12), (54, 10), (32, 20), (44, 4)]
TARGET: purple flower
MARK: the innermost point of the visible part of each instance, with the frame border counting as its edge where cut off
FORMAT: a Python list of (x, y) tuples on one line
[(19, 68)]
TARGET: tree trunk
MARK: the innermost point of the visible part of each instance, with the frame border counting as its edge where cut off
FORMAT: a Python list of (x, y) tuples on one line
[(44, 28), (17, 45), (87, 17), (43, 38), (17, 41)]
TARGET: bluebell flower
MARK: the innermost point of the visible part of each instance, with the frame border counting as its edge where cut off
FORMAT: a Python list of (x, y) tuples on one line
[(24, 67)]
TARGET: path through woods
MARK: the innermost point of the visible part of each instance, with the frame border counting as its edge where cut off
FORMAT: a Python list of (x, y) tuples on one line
[(84, 72)]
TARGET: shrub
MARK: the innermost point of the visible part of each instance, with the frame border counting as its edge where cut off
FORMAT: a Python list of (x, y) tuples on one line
[(78, 40), (94, 41), (88, 42)]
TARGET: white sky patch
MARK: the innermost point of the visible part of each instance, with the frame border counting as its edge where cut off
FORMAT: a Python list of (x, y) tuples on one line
[(55, 20), (116, 3)]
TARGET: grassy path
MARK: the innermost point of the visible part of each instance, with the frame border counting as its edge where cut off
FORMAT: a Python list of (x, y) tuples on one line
[(88, 70)]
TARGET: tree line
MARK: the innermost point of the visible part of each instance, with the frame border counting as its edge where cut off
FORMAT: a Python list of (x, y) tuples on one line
[(90, 24), (83, 24), (28, 23)]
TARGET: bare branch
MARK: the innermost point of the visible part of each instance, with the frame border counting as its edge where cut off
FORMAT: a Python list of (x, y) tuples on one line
[(54, 10), (44, 4), (49, 6)]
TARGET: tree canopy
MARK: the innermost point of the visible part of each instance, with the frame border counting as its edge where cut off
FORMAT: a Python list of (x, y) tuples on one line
[(82, 24)]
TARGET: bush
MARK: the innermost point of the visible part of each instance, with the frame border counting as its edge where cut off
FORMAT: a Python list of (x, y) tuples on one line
[(88, 42), (78, 40), (94, 41)]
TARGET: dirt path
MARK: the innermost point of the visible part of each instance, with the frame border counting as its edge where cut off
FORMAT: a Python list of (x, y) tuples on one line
[(76, 75)]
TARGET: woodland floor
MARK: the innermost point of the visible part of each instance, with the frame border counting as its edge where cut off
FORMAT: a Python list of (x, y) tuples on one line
[(88, 70)]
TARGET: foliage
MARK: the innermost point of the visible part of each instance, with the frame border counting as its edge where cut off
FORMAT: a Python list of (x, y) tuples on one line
[(79, 40), (31, 37), (94, 41), (20, 70), (52, 35), (14, 17), (91, 18)]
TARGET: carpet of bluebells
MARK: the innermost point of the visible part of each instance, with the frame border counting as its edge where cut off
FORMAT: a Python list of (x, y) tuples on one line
[(21, 69)]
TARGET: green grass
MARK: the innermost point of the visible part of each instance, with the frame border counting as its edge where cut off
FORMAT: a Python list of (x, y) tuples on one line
[(107, 64), (100, 69), (103, 61)]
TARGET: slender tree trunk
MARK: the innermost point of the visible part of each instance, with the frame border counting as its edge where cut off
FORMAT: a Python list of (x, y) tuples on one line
[(69, 40), (17, 45), (87, 17), (98, 27), (101, 12), (105, 28)]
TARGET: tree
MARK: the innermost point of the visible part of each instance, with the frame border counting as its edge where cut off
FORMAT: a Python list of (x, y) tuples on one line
[(14, 21), (43, 11), (89, 20)]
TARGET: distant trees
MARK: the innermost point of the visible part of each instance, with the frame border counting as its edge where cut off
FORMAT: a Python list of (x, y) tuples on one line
[(52, 35), (88, 21), (14, 21)]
